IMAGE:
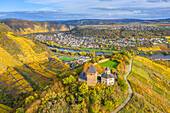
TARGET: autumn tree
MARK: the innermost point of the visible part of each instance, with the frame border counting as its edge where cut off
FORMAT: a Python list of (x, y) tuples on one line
[(65, 52), (94, 54), (102, 57), (68, 80), (93, 60), (83, 89), (56, 50), (109, 106)]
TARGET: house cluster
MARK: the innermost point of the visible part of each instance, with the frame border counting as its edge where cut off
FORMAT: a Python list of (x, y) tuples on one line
[(90, 77), (132, 27), (80, 60), (138, 41), (70, 40), (91, 42)]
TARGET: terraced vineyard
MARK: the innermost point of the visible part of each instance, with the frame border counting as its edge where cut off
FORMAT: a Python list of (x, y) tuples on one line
[(150, 84), (13, 79), (25, 70), (28, 54), (4, 109), (7, 60)]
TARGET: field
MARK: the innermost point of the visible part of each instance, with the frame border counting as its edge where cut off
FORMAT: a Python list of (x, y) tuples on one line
[(162, 26), (155, 48), (167, 37), (110, 64), (68, 58)]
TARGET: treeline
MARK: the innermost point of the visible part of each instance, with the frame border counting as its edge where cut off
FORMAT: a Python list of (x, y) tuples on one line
[(69, 95), (117, 33)]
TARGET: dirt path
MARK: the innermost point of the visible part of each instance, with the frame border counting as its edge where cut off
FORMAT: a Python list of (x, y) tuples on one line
[(129, 90)]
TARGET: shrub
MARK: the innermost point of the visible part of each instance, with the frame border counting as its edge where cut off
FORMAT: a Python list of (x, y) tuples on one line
[(122, 83), (20, 110)]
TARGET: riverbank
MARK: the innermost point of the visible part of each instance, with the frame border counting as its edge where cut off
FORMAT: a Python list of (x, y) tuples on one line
[(153, 57), (83, 49)]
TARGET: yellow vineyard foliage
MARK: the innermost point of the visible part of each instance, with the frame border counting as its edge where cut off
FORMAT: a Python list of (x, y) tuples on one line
[(4, 109), (63, 28), (13, 79), (7, 60), (167, 37), (155, 48), (28, 54), (154, 66), (36, 29)]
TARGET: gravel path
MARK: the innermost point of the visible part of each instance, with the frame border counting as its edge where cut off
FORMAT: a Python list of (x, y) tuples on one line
[(129, 90)]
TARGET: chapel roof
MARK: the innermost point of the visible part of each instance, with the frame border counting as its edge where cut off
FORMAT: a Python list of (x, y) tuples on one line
[(105, 75), (107, 68)]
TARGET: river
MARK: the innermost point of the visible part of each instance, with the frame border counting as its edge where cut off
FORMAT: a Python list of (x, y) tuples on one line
[(157, 57), (76, 51)]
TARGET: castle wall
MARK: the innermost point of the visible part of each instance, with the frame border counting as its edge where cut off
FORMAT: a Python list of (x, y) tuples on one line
[(109, 81), (91, 79)]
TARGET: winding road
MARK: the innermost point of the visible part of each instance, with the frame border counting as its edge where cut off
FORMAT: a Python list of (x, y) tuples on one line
[(129, 90)]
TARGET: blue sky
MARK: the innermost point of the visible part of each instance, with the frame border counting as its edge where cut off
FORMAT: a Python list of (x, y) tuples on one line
[(84, 9)]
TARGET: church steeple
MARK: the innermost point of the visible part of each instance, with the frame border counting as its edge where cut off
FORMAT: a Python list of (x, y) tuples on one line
[(107, 70)]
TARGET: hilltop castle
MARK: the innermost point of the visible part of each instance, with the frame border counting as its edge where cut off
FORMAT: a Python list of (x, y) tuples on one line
[(90, 77)]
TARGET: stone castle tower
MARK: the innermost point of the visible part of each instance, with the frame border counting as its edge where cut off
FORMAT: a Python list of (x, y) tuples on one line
[(91, 76)]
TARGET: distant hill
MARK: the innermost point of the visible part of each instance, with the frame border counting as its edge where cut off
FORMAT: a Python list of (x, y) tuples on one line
[(159, 21), (26, 27), (98, 21), (111, 21)]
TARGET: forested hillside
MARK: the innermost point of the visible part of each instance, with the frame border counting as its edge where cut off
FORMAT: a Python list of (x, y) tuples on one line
[(116, 33), (111, 21), (27, 27), (25, 66)]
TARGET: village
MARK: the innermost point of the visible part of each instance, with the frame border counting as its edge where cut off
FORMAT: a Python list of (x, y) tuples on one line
[(131, 27), (79, 60), (92, 42)]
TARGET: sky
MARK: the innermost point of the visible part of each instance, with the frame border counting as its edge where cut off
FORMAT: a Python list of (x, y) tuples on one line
[(49, 10)]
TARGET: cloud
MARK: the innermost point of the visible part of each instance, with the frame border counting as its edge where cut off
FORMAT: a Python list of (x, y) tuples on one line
[(105, 0), (42, 15), (78, 9), (157, 0), (2, 15), (137, 12), (43, 1), (49, 9), (132, 8)]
